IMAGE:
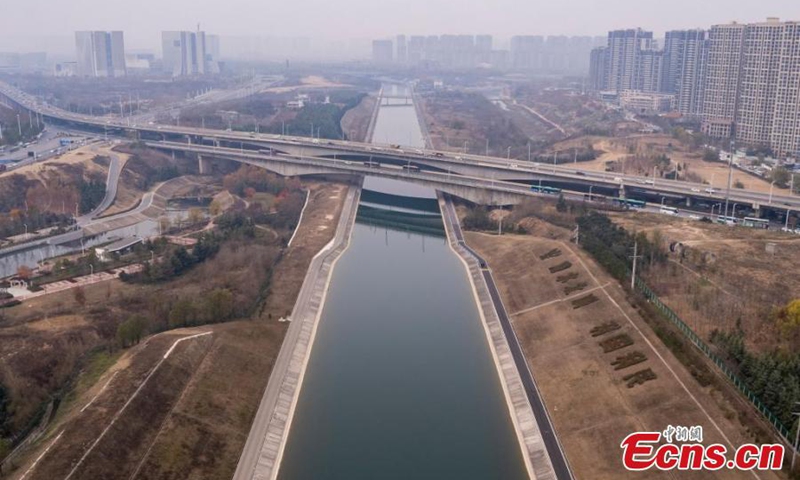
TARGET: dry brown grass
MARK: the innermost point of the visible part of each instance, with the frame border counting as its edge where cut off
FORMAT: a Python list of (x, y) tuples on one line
[(591, 406), (726, 276)]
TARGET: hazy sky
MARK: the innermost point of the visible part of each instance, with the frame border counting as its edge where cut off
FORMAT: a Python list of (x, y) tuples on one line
[(142, 20)]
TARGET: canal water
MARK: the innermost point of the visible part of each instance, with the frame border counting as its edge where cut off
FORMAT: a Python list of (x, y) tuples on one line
[(401, 383)]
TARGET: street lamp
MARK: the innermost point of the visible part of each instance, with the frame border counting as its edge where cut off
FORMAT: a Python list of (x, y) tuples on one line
[(508, 153), (797, 434)]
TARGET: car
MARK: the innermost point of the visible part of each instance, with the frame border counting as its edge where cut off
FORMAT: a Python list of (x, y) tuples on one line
[(694, 217), (710, 190), (578, 172), (618, 179), (649, 182), (695, 190), (514, 165)]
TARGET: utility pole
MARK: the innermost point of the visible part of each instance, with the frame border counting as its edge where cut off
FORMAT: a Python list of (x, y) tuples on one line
[(635, 257), (19, 127), (529, 151), (487, 147), (730, 175)]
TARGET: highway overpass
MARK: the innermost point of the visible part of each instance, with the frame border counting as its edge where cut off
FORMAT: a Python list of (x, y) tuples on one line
[(494, 171)]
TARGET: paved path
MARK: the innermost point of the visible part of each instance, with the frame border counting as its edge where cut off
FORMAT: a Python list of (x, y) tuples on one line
[(262, 453), (546, 459)]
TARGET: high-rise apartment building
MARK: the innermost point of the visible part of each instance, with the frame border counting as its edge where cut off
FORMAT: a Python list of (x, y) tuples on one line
[(752, 85), (402, 49), (382, 51), (685, 53), (100, 54), (785, 135), (649, 71), (185, 53), (721, 86), (597, 69), (624, 70)]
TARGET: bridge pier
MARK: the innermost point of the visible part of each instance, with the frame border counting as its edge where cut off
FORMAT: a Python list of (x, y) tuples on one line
[(688, 202), (204, 165)]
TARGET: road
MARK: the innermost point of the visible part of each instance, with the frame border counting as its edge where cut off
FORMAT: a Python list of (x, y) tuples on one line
[(112, 182)]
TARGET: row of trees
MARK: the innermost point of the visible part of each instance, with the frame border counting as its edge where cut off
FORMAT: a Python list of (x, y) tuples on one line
[(773, 377), (18, 221), (612, 246)]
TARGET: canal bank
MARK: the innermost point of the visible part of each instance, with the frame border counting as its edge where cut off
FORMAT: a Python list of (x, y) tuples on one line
[(266, 441), (543, 453)]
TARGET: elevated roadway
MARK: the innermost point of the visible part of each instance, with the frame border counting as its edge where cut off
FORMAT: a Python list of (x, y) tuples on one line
[(489, 168)]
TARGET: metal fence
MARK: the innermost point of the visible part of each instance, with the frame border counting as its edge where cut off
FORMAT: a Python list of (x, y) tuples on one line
[(699, 343)]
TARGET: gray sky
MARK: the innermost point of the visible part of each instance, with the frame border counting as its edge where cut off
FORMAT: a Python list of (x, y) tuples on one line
[(142, 20)]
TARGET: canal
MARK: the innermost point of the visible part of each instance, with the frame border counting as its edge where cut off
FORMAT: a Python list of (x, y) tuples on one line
[(401, 382)]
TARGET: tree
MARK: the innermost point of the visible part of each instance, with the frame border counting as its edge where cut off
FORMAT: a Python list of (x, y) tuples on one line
[(219, 305), (710, 155), (182, 314), (195, 216), (789, 316), (130, 331), (781, 177), (561, 205), (738, 184), (24, 272), (80, 296)]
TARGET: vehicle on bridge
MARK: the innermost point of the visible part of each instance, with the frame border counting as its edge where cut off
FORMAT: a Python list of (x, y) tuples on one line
[(372, 164), (628, 202), (727, 220), (545, 189), (666, 210), (754, 222)]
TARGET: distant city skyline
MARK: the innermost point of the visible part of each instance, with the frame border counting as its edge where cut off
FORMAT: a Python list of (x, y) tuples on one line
[(366, 20)]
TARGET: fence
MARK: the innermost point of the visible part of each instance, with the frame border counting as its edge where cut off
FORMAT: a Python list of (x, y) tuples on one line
[(700, 344)]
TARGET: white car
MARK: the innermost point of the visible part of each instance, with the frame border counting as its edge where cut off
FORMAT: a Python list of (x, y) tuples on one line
[(710, 190), (695, 190)]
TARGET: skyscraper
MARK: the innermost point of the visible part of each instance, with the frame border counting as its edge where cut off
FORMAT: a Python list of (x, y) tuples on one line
[(382, 51), (100, 54), (624, 70), (685, 53), (184, 53), (752, 86), (597, 69), (402, 49), (722, 79)]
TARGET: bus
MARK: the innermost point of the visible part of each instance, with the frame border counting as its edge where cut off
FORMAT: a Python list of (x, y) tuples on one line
[(668, 210), (545, 189), (628, 202), (754, 222)]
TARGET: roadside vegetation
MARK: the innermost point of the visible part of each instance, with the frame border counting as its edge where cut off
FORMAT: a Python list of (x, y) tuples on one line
[(11, 128)]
